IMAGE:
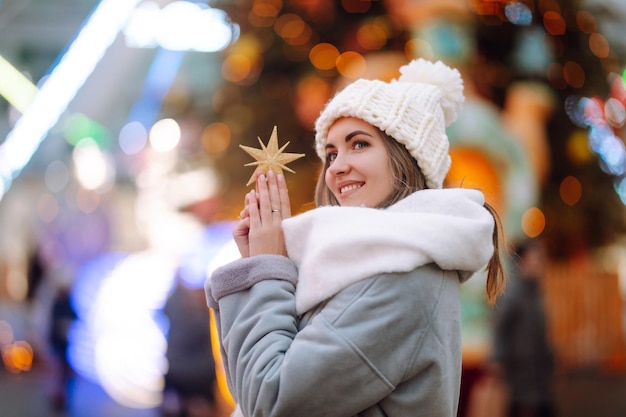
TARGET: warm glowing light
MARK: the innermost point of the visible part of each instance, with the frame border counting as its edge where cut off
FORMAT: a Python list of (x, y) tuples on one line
[(165, 135), (312, 93), (599, 45), (236, 68), (577, 148), (216, 137), (472, 168), (18, 357), (533, 222), (289, 26), (351, 64), (570, 190), (554, 23), (371, 36), (586, 22), (324, 56), (266, 8)]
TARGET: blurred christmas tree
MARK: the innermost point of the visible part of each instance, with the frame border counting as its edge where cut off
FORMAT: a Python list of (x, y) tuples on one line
[(291, 55)]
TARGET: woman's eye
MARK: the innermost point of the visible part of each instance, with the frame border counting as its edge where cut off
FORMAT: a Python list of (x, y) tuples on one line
[(331, 156), (360, 145)]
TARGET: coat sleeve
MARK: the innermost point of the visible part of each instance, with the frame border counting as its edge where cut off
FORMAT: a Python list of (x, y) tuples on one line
[(341, 363)]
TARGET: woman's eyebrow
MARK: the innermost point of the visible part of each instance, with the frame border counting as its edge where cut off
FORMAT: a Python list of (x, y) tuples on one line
[(349, 137), (356, 132)]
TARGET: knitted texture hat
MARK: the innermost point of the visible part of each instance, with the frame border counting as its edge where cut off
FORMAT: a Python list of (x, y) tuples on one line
[(415, 110)]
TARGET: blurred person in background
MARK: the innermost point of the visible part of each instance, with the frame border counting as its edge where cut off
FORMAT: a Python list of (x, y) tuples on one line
[(523, 356), (190, 379), (353, 308), (62, 315)]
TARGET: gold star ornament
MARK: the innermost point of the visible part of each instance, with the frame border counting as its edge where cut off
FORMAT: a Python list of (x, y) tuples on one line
[(270, 157)]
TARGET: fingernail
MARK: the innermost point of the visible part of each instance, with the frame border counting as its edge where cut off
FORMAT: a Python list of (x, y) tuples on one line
[(270, 173), (262, 178), (281, 178)]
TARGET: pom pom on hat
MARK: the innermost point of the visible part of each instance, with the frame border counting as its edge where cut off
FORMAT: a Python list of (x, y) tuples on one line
[(447, 79), (415, 109)]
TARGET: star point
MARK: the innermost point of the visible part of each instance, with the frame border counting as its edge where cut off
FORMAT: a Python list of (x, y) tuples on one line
[(270, 156)]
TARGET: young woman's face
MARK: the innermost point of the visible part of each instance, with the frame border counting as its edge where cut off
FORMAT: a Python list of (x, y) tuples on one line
[(359, 171)]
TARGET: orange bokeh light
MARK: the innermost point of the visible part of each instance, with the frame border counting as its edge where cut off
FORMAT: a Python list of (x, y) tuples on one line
[(554, 23), (324, 56), (570, 190), (351, 64), (533, 222), (472, 168)]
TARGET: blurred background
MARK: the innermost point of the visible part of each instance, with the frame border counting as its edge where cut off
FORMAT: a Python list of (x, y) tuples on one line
[(121, 173)]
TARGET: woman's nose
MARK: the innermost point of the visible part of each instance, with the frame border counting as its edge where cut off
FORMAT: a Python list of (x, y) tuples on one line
[(339, 166)]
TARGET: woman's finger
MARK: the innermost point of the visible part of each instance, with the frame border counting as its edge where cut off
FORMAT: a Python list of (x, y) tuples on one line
[(285, 204), (253, 209), (265, 208), (274, 194)]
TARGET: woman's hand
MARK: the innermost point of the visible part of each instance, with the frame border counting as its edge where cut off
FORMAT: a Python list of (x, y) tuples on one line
[(269, 205), (242, 228), (265, 234)]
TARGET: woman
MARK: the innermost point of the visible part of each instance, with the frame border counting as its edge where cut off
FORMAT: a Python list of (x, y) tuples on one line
[(353, 308)]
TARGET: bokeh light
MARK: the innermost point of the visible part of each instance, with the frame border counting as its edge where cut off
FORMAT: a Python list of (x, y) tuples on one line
[(165, 135), (324, 56), (216, 138), (293, 29), (554, 23), (615, 112), (17, 357), (533, 222), (371, 36), (133, 138), (518, 13), (574, 74), (117, 342), (236, 68), (577, 148), (599, 45), (351, 64), (94, 169), (179, 26), (570, 190), (586, 22)]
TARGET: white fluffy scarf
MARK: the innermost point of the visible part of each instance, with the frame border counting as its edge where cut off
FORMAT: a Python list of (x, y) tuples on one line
[(334, 247)]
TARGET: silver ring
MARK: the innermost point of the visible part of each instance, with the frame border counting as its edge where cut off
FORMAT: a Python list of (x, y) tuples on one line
[(275, 210)]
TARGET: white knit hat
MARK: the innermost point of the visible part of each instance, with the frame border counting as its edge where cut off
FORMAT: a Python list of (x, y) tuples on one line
[(415, 110)]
